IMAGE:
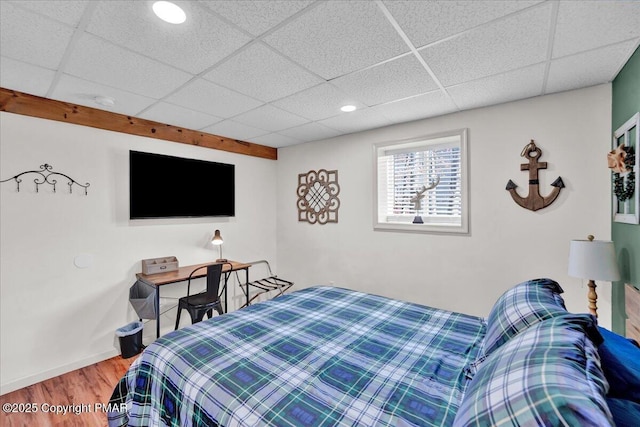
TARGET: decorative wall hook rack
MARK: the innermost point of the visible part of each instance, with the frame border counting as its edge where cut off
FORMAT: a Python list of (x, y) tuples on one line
[(46, 175)]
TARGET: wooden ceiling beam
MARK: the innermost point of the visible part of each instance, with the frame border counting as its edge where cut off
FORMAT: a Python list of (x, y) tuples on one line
[(16, 102)]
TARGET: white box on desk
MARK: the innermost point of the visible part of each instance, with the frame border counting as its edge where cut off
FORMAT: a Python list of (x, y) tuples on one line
[(159, 265)]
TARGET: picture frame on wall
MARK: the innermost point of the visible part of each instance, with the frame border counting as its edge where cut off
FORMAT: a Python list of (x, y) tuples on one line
[(624, 163)]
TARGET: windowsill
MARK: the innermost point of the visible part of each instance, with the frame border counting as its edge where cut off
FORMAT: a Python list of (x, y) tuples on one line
[(439, 228)]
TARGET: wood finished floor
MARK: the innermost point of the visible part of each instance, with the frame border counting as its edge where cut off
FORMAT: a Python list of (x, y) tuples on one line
[(87, 386)]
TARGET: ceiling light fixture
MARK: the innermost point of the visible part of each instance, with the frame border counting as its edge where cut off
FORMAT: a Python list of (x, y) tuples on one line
[(105, 101), (348, 108), (169, 12)]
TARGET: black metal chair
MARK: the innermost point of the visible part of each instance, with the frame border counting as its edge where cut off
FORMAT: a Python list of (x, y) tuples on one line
[(267, 284), (199, 304)]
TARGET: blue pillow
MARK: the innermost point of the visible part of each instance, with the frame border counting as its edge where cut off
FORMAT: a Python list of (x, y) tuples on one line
[(620, 359), (625, 412), (548, 375), (520, 307)]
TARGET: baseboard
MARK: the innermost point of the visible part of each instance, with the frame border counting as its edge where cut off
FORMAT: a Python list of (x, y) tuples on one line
[(42, 376)]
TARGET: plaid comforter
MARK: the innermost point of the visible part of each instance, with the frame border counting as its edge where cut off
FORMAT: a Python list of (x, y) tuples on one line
[(321, 356)]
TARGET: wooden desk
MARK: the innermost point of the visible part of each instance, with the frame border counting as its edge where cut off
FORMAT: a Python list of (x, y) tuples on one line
[(182, 274)]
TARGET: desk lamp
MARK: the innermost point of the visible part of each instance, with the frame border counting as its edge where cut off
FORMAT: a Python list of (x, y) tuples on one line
[(593, 260), (217, 241)]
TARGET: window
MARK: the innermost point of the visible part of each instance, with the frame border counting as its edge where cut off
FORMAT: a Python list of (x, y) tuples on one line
[(428, 173)]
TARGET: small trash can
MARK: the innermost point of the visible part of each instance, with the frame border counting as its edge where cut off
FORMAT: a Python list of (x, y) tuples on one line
[(130, 337)]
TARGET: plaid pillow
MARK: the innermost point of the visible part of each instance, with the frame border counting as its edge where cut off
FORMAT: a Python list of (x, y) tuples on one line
[(549, 375), (520, 307)]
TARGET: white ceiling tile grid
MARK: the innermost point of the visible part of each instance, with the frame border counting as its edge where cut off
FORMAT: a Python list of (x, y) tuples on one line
[(209, 98), (171, 114), (25, 77), (276, 140), (511, 43), (397, 79), (513, 85), (430, 104), (194, 46), (338, 37), (270, 118), (588, 68), (317, 103), (235, 130), (310, 132), (591, 24), (97, 60), (261, 72), (426, 22), (82, 92), (257, 17), (278, 71), (66, 11), (32, 38), (359, 120)]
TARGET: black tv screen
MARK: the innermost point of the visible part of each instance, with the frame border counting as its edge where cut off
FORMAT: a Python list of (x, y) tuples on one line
[(168, 187)]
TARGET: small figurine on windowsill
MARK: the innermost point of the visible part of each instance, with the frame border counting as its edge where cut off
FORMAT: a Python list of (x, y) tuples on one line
[(417, 199)]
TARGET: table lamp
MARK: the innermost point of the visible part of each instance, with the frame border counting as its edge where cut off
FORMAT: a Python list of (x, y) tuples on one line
[(593, 260), (217, 241)]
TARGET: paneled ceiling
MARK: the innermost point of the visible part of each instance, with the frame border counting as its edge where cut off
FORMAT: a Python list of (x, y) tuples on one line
[(277, 72)]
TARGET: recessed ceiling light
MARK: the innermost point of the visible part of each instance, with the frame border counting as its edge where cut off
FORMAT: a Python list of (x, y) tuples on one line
[(105, 101), (348, 108), (169, 12)]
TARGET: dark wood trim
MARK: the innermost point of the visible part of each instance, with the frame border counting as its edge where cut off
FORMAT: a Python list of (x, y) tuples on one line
[(16, 102)]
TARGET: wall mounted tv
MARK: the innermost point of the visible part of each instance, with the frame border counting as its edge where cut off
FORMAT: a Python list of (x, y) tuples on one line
[(174, 187)]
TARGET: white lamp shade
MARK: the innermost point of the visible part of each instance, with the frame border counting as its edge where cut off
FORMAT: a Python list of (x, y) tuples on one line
[(593, 260)]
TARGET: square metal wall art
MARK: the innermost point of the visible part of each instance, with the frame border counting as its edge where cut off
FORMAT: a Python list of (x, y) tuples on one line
[(318, 196)]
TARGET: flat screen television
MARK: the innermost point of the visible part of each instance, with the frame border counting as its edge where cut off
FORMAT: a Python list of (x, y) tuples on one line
[(174, 187)]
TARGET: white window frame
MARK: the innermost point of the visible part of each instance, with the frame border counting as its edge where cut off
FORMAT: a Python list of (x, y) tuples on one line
[(382, 222)]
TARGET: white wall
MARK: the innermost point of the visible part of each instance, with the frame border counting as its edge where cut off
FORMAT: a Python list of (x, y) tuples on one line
[(507, 244), (56, 317)]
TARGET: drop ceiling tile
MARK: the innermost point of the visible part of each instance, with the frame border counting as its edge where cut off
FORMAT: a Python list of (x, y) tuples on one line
[(256, 17), (356, 121), (509, 44), (212, 99), (588, 68), (338, 37), (519, 84), (78, 91), (32, 38), (587, 25), (310, 132), (270, 118), (427, 21), (400, 78), (318, 102), (68, 12), (24, 77), (193, 46), (102, 62), (175, 115), (234, 130), (260, 72), (275, 140), (430, 104)]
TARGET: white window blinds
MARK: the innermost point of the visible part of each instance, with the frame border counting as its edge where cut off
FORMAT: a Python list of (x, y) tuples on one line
[(403, 169)]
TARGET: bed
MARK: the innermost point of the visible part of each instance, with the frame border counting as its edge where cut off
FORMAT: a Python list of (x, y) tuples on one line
[(328, 356)]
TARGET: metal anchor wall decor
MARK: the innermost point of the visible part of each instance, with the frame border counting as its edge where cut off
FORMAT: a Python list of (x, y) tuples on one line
[(534, 200)]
